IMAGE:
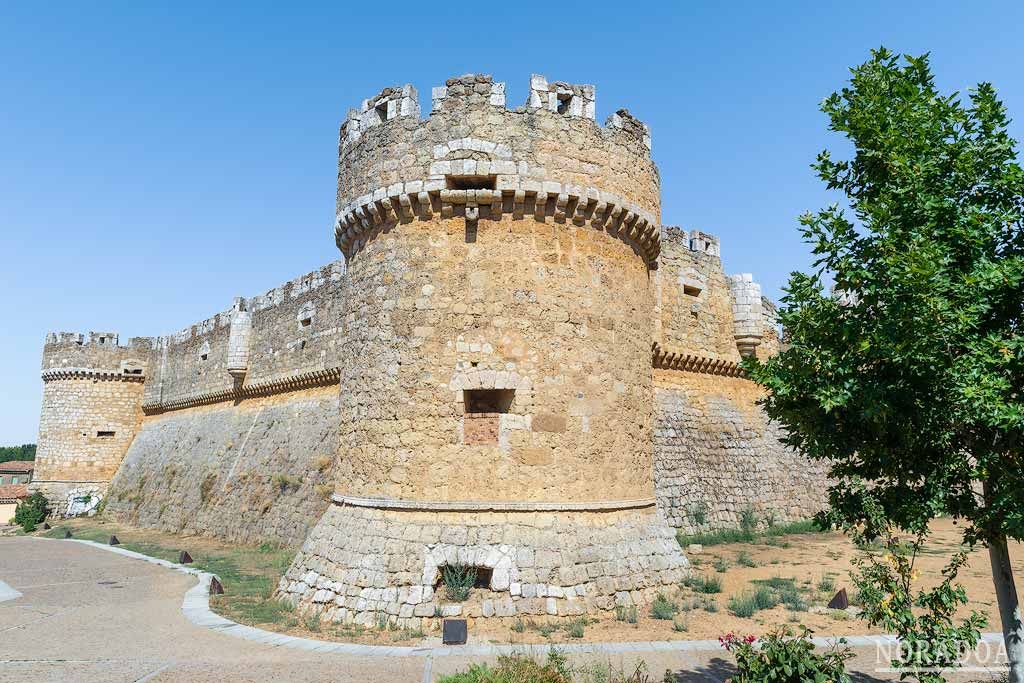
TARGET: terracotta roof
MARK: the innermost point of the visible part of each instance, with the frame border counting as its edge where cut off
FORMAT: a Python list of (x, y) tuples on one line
[(17, 466), (12, 493)]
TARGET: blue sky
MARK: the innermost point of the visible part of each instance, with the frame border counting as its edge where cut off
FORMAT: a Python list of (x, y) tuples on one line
[(158, 160)]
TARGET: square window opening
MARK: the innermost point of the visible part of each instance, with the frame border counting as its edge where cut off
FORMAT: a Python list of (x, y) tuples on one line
[(690, 290), (105, 434), (563, 103), (306, 322), (488, 400), (471, 182), (382, 112)]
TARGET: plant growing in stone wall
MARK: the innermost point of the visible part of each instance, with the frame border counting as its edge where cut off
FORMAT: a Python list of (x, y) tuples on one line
[(458, 580)]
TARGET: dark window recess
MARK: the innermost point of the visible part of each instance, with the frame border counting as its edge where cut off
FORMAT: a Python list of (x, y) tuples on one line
[(690, 290), (483, 578), (136, 371), (471, 182), (104, 434), (302, 344), (204, 356), (306, 322), (382, 112), (563, 103), (488, 400)]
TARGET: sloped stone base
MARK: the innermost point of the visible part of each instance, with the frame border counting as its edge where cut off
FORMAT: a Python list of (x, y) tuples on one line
[(364, 565)]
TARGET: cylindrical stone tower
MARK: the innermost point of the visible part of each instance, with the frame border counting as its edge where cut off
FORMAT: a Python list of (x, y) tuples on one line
[(496, 393), (92, 407)]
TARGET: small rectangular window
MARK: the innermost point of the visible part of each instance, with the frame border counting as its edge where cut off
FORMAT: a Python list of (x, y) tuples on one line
[(382, 111), (306, 322), (488, 400), (690, 290), (471, 182), (563, 103), (104, 434)]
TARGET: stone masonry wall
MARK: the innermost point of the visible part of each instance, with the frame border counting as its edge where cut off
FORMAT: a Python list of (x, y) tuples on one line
[(292, 329), (714, 448), (259, 471), (695, 303)]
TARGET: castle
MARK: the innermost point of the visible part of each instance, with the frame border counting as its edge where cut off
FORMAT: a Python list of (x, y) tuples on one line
[(516, 367)]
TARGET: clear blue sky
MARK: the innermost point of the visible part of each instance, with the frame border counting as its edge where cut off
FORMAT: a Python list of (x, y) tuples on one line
[(158, 160)]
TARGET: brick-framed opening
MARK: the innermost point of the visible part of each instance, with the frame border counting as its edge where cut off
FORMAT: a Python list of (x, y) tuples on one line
[(489, 401)]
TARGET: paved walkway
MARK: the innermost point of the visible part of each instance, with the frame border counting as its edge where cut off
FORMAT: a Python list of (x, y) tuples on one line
[(86, 614)]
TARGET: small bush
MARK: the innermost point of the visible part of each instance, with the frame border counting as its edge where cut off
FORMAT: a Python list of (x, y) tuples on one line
[(709, 604), (748, 522), (698, 514), (518, 626), (663, 608), (826, 584), (781, 657), (721, 565), (748, 603), (681, 624), (704, 584), (575, 628), (458, 579), (31, 511), (516, 669), (630, 614), (311, 622), (744, 558)]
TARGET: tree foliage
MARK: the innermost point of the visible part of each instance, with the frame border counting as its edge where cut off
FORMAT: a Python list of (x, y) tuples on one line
[(23, 452), (31, 511), (910, 378)]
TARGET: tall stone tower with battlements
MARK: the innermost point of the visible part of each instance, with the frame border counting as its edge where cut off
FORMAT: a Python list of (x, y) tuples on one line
[(497, 398), (517, 367)]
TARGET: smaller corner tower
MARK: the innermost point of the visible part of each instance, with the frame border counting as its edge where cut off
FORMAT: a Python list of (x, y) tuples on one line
[(92, 408)]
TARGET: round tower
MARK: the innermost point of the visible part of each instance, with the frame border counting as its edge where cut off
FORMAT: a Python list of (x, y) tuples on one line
[(496, 394), (92, 407)]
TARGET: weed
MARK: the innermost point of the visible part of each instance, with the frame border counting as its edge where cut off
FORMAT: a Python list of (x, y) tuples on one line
[(311, 622), (704, 584), (681, 624), (663, 608), (720, 536), (721, 565), (748, 603), (575, 628), (826, 584), (458, 579), (744, 558), (748, 522), (698, 514), (518, 626)]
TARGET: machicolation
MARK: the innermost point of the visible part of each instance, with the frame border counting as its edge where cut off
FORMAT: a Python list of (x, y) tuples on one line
[(517, 367)]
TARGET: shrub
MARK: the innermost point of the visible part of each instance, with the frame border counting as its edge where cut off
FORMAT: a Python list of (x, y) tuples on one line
[(458, 579), (515, 669), (698, 514), (826, 584), (31, 511), (781, 658), (629, 614), (744, 558), (748, 522), (575, 628), (681, 624), (704, 584), (748, 603), (663, 608), (721, 565)]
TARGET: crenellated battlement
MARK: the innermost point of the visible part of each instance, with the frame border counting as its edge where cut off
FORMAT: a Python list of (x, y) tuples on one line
[(95, 354), (474, 158)]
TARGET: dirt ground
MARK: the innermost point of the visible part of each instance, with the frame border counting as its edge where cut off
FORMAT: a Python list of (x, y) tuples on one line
[(813, 566)]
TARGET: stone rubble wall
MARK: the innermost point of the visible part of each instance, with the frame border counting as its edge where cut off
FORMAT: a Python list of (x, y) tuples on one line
[(257, 472), (361, 563), (715, 449)]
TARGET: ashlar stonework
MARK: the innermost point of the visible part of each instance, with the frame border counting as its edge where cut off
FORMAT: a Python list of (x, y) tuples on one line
[(517, 367)]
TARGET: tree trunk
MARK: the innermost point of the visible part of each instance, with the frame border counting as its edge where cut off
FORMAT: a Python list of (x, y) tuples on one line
[(1009, 608)]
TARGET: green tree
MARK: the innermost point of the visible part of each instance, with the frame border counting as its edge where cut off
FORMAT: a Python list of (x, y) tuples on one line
[(909, 379), (24, 452), (31, 511)]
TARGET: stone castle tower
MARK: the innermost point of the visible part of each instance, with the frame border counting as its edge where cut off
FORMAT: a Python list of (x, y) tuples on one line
[(92, 408), (498, 394), (517, 367)]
